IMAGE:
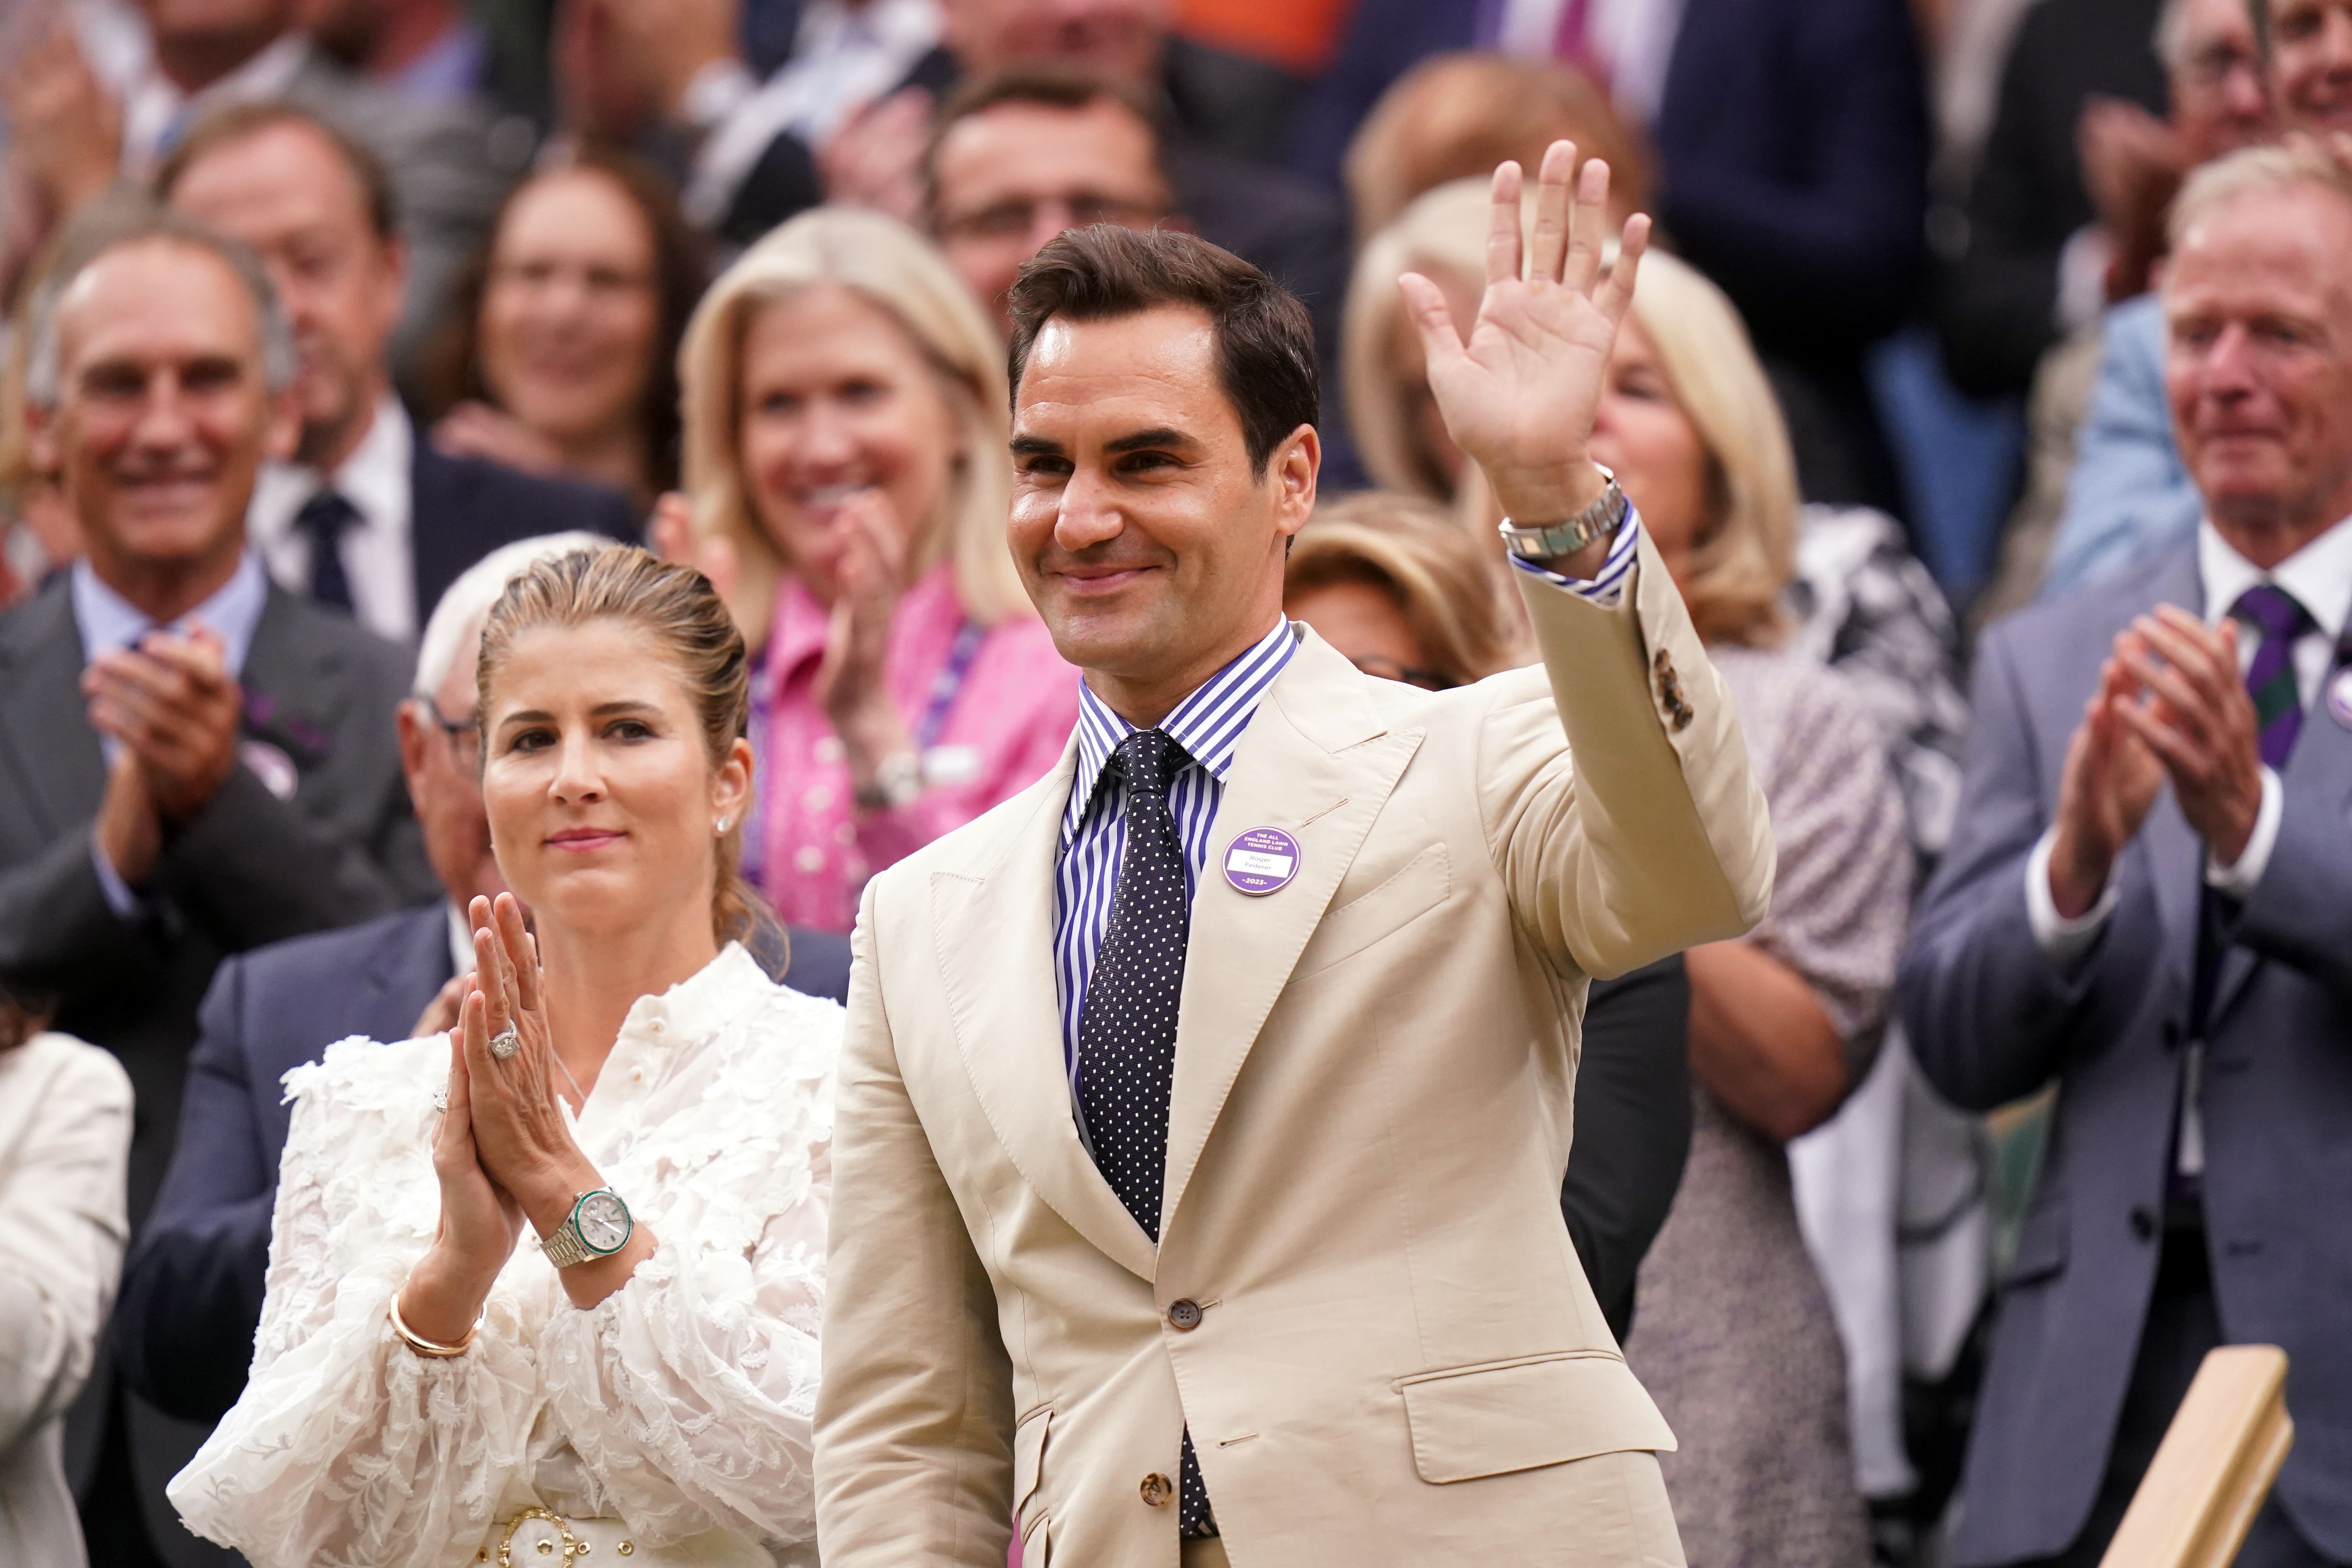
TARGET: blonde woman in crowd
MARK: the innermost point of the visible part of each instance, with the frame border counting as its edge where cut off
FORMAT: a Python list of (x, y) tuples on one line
[(846, 478), (65, 1145), (552, 1282)]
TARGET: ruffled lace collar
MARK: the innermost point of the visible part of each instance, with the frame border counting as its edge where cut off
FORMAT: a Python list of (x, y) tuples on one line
[(701, 1003)]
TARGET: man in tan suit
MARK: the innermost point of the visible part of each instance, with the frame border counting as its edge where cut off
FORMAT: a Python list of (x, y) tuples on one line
[(1204, 1106)]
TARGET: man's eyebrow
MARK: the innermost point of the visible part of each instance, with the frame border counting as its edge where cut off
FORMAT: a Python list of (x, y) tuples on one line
[(1036, 446), (1158, 436)]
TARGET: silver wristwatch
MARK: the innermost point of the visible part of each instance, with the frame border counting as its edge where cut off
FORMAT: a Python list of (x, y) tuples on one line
[(897, 783), (1599, 520), (598, 1226)]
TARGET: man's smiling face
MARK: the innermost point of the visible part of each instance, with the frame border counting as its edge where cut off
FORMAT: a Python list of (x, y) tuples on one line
[(1150, 545)]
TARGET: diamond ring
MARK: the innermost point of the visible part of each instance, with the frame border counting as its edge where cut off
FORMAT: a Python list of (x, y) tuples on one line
[(504, 1043), (441, 1098)]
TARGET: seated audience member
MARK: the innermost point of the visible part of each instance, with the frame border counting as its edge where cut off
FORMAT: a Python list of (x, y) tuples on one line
[(364, 515), (562, 357), (2130, 497), (1736, 1337), (201, 762), (1456, 116), (1395, 585), (65, 1137), (2174, 959), (81, 120), (192, 1291), (1017, 157), (845, 429)]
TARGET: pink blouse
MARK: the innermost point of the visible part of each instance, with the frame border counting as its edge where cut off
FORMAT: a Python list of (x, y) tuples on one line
[(1002, 705)]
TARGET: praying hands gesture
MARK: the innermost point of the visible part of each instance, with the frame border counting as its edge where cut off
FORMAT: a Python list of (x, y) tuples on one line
[(1519, 396), (504, 1152)]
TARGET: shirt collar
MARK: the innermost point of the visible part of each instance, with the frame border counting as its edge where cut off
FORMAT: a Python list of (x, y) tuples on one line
[(375, 479), (158, 109), (109, 622), (2319, 576), (1208, 724)]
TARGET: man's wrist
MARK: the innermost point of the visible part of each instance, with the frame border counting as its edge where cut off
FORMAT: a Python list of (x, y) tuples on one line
[(1541, 498)]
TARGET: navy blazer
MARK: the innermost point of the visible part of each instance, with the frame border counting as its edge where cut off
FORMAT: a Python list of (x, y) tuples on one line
[(461, 509), (191, 1289), (1991, 1021)]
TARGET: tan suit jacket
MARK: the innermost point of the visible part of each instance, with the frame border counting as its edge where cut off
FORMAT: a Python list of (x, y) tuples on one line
[(1396, 1357)]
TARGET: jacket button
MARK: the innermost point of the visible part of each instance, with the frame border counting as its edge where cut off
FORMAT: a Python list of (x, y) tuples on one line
[(1184, 1314), (1157, 1490), (2143, 1223)]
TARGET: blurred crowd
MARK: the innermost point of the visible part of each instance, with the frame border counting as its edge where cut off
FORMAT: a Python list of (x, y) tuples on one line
[(327, 317)]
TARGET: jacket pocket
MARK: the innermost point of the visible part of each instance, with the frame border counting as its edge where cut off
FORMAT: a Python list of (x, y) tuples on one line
[(1418, 887), (1500, 1416), (1028, 1455)]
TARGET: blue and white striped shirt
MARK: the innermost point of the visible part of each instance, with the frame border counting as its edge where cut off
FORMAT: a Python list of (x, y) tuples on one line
[(1208, 725)]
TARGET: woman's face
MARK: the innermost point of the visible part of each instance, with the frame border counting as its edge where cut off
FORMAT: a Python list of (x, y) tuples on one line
[(1642, 435), (572, 312), (601, 795), (837, 398), (1364, 623)]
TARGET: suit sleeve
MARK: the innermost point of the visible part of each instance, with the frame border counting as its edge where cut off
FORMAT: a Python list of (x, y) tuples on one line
[(59, 938), (914, 1416), (1633, 1128), (1647, 833), (192, 1290), (2301, 912), (251, 868)]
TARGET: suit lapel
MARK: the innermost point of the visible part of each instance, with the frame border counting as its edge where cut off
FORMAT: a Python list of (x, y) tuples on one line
[(1318, 762), (48, 736), (992, 925)]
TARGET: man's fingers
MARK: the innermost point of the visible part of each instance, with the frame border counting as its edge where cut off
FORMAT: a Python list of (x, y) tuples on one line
[(2180, 758), (1616, 295), (2192, 648), (2188, 707), (1555, 186), (1589, 228), (1503, 224), (1440, 345)]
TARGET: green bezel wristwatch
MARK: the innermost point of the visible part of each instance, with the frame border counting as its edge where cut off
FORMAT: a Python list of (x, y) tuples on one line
[(598, 1226)]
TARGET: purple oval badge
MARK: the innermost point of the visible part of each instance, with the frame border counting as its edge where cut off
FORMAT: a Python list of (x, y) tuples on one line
[(2339, 697), (1261, 861)]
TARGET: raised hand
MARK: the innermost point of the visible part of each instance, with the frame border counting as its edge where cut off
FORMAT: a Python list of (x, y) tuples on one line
[(173, 702), (2194, 715), (520, 1130), (1520, 395), (851, 678), (2110, 780), (481, 1222)]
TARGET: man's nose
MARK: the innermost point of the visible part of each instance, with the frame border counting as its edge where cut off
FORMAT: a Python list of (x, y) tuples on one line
[(165, 421), (1089, 515)]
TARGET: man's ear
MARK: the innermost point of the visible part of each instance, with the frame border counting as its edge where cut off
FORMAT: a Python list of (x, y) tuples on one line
[(410, 726), (41, 438), (1293, 466)]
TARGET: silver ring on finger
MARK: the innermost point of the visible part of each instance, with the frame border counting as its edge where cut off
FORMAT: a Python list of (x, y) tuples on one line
[(441, 1100), (504, 1043)]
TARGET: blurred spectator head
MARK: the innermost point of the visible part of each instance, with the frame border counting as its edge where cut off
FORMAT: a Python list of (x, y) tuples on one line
[(1164, 406), (1123, 39), (1456, 116), (2220, 101), (1017, 157), (2258, 311), (440, 734), (2309, 45), (199, 41), (570, 321), (1397, 586), (842, 353), (156, 382), (318, 208), (1441, 235)]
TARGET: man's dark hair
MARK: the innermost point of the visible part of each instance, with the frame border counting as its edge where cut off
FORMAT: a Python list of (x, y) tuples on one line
[(236, 122), (1051, 84), (1265, 344)]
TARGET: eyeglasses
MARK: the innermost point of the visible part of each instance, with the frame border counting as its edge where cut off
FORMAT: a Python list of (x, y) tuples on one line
[(2215, 64), (464, 735), (1016, 218), (1385, 668)]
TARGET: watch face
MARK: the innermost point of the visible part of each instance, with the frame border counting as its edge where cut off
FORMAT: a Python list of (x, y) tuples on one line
[(604, 1221)]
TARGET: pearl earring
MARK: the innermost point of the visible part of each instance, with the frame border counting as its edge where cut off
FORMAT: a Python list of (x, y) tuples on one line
[(722, 825)]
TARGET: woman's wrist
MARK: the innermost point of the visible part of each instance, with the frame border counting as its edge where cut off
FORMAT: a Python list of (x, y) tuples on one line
[(548, 1200), (871, 738), (441, 1297)]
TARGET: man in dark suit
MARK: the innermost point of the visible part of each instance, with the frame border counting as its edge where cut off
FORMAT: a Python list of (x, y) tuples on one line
[(192, 762), (2179, 961), (192, 1290), (368, 517)]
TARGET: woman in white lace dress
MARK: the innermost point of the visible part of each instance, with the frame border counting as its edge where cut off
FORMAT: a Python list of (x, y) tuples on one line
[(550, 1284)]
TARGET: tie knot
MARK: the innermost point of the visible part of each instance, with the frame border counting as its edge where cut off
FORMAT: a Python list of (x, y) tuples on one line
[(1151, 758), (325, 517), (2274, 611)]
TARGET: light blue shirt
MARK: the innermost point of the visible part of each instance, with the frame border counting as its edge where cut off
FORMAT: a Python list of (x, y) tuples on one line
[(108, 623)]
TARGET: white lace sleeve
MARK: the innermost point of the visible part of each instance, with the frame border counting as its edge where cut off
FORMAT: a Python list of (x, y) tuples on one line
[(347, 1447), (690, 1393)]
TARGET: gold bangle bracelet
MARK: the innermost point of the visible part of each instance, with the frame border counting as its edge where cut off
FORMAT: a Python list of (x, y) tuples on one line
[(418, 1342)]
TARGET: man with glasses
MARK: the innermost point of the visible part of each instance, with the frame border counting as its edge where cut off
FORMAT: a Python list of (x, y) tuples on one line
[(191, 1289)]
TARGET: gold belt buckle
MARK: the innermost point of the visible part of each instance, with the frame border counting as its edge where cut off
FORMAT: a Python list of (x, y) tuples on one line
[(573, 1546)]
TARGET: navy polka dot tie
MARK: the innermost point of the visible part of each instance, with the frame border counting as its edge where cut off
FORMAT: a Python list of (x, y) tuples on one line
[(1127, 1031)]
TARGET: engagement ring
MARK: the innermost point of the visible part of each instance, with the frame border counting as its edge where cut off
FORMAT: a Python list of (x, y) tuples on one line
[(441, 1098), (504, 1043)]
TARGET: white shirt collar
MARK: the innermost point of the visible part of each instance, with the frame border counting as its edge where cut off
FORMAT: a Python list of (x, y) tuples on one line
[(2319, 576), (376, 479), (155, 111), (107, 622)]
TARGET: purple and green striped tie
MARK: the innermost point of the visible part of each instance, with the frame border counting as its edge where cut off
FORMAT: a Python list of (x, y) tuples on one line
[(2270, 678)]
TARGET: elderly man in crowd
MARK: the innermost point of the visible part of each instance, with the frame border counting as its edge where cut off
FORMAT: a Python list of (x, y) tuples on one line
[(2178, 960), (368, 517), (197, 762)]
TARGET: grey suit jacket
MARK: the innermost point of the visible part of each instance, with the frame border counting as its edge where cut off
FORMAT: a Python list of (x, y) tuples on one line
[(1990, 1020)]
